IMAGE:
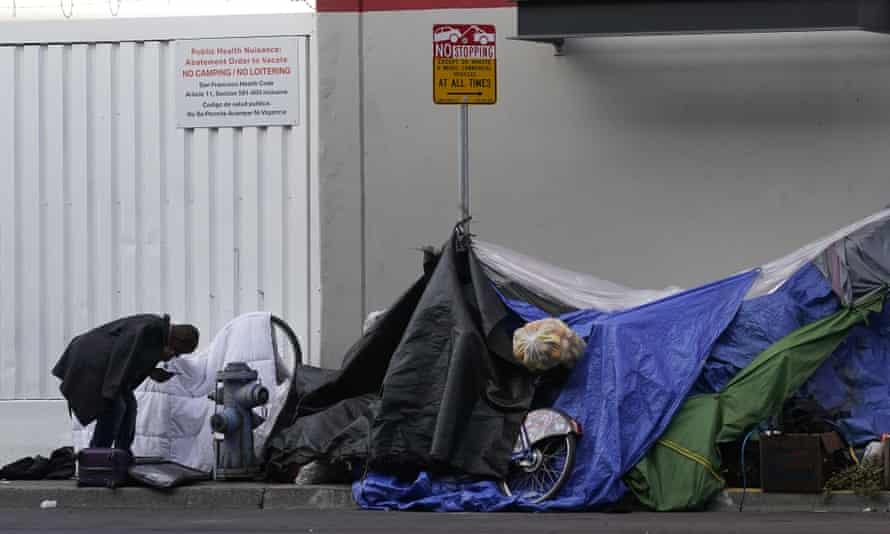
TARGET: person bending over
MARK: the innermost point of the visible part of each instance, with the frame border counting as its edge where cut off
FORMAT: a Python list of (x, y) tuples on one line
[(101, 368)]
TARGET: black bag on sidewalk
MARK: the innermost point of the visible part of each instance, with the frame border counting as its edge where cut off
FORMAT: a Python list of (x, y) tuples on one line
[(61, 464), (165, 474), (17, 470), (102, 467), (28, 468)]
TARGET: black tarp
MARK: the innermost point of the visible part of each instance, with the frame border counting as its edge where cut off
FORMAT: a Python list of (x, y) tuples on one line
[(337, 434), (514, 290), (442, 390)]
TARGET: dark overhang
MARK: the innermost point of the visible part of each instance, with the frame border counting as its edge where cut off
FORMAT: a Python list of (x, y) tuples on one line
[(556, 20)]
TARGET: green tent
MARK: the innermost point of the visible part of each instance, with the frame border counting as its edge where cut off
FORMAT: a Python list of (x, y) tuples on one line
[(681, 471)]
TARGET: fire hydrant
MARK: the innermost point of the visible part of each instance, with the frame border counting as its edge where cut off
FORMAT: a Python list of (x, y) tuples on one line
[(239, 393)]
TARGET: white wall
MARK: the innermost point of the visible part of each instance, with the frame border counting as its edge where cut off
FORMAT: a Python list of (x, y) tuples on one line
[(109, 209), (34, 427), (650, 161), (341, 187)]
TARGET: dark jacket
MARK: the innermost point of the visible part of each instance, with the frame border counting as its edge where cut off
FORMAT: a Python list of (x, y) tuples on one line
[(108, 360)]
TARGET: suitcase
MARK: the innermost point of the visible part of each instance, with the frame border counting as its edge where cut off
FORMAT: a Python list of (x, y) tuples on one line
[(100, 467)]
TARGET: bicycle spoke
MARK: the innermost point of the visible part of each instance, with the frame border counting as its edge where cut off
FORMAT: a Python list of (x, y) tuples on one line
[(548, 465)]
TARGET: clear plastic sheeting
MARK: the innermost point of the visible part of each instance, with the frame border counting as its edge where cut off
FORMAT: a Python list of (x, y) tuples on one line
[(775, 273), (556, 290)]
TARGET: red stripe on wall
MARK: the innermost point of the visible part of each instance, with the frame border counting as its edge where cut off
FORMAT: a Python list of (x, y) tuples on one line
[(328, 6)]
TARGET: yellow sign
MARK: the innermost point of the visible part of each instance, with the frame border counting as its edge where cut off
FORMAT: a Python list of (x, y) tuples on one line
[(464, 64)]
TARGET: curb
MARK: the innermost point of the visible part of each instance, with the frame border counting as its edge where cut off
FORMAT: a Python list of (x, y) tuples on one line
[(291, 497), (256, 496), (840, 501), (66, 495)]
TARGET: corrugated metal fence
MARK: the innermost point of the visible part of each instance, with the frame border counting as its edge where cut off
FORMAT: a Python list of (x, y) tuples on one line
[(106, 208)]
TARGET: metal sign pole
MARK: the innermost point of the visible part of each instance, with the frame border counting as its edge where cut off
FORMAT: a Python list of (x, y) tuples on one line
[(464, 73), (464, 159)]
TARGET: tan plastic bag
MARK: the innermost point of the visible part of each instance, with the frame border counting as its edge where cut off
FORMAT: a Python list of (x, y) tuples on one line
[(542, 345)]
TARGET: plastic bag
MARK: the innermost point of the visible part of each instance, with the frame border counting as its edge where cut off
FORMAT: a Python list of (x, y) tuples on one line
[(322, 472), (372, 319), (874, 454), (542, 345)]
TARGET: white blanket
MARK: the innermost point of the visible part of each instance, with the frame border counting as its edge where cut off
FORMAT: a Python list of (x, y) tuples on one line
[(173, 417)]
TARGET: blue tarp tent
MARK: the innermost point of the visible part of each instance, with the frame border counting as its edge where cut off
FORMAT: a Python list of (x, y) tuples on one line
[(648, 349), (639, 366)]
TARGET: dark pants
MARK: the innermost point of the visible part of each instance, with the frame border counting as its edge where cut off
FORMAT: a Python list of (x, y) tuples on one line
[(117, 423)]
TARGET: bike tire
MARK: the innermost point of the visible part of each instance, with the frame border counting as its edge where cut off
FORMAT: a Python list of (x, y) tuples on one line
[(512, 485), (294, 342)]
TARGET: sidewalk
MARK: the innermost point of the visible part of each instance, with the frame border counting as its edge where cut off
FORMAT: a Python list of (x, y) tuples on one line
[(839, 501), (217, 495), (209, 495)]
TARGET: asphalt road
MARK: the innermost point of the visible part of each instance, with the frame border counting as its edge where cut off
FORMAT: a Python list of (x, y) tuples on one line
[(329, 522)]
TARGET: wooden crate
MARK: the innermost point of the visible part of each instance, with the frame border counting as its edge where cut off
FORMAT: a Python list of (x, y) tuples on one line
[(792, 463)]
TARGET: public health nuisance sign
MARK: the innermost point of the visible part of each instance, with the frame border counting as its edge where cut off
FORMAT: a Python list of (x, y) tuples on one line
[(237, 82), (464, 64)]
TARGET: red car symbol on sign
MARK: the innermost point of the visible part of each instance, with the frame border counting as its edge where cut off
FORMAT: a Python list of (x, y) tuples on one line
[(446, 33), (479, 35)]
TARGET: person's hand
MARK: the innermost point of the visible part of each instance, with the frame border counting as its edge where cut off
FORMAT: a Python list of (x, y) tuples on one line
[(159, 374), (168, 354)]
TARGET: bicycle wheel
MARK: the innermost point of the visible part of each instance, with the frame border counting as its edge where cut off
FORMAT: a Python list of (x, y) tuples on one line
[(288, 354), (544, 473)]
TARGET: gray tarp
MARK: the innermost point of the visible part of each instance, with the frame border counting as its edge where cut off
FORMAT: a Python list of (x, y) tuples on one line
[(859, 263)]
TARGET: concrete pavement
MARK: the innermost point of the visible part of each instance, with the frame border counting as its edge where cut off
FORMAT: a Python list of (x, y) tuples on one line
[(757, 501), (209, 495), (349, 522), (27, 495)]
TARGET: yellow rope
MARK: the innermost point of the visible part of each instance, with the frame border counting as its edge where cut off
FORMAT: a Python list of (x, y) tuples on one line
[(694, 456), (853, 455)]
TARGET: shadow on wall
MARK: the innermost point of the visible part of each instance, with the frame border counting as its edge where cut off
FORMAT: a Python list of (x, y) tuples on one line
[(777, 78)]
